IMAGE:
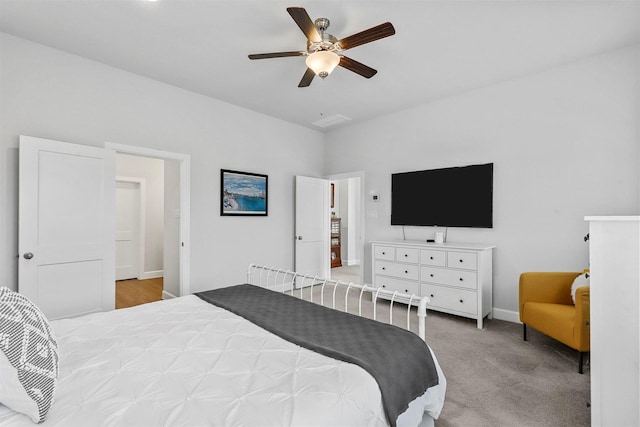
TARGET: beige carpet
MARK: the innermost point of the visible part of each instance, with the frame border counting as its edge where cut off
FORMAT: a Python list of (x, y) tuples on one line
[(346, 273), (494, 378), (497, 379)]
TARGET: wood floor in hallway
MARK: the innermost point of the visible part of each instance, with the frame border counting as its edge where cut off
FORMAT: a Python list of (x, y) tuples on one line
[(135, 292)]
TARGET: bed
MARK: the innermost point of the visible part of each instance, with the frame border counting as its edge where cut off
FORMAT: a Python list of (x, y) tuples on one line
[(190, 362)]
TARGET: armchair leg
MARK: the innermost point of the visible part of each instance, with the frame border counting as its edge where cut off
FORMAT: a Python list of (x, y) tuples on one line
[(524, 331), (580, 361)]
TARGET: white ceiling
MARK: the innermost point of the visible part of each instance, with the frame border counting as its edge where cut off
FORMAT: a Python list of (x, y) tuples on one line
[(440, 49)]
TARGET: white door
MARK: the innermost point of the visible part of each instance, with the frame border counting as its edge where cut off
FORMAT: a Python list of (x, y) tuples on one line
[(312, 255), (66, 209), (128, 199)]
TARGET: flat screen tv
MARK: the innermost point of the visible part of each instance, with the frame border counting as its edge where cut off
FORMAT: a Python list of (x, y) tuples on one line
[(448, 197)]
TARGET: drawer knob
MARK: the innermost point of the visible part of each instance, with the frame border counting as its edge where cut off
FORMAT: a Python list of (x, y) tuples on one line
[(406, 272), (461, 301), (431, 275), (384, 268), (406, 255), (431, 295), (430, 257), (461, 279), (384, 253), (384, 286), (406, 291), (460, 260)]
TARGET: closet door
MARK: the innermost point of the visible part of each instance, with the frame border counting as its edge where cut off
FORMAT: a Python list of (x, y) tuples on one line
[(66, 227)]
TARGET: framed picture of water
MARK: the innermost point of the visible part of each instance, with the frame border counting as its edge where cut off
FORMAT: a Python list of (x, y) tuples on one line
[(243, 193)]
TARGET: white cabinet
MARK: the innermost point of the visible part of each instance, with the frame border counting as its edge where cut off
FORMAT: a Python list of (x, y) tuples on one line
[(457, 278), (614, 255)]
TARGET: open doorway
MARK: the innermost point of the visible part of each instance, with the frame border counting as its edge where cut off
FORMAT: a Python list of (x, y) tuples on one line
[(152, 223), (348, 226), (144, 231)]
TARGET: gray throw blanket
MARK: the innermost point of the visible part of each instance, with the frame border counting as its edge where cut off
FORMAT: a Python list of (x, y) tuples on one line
[(399, 360)]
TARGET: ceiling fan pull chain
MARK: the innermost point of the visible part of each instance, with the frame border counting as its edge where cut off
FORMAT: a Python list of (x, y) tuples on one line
[(322, 98)]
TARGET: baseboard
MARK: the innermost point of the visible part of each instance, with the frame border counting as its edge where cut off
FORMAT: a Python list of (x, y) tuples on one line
[(507, 315), (167, 295), (351, 262), (151, 274)]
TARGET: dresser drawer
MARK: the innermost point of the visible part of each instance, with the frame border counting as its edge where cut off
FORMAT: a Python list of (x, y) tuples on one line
[(458, 278), (429, 257), (403, 271), (393, 284), (451, 299), (384, 252), (465, 260), (407, 255)]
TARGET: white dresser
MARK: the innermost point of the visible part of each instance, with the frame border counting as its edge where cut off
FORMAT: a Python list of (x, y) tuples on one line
[(614, 263), (457, 277)]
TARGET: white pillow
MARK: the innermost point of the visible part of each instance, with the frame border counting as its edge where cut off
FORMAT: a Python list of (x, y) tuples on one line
[(28, 357), (578, 282)]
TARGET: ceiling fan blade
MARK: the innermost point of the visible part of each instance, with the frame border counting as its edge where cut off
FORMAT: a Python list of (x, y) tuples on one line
[(274, 55), (357, 67), (307, 78), (305, 23), (367, 36)]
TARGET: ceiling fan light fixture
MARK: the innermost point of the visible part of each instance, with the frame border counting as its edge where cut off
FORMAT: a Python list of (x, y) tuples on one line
[(323, 62), (324, 51)]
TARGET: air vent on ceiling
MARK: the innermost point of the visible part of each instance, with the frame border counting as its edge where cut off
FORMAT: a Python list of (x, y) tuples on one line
[(331, 120)]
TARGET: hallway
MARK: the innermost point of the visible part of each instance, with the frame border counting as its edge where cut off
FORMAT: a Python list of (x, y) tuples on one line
[(134, 292)]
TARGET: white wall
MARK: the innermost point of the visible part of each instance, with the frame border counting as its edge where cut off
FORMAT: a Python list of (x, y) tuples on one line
[(564, 143), (152, 171), (50, 94), (353, 248)]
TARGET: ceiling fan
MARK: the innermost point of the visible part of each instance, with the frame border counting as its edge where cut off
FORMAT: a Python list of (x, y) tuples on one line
[(324, 51)]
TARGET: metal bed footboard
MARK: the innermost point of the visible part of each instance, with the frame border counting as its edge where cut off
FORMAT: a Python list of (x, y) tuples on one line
[(292, 283)]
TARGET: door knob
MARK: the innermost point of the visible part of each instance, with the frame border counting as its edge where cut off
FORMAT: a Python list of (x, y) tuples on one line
[(27, 255), (299, 237)]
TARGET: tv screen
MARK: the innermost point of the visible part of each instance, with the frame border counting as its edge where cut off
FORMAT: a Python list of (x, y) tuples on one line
[(448, 197)]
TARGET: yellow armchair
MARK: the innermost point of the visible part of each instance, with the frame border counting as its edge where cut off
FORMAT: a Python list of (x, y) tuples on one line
[(546, 305)]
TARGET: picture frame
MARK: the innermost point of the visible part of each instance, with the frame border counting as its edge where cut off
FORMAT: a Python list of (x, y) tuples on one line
[(243, 193)]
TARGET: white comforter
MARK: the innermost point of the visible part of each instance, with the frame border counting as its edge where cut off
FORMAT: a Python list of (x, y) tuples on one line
[(186, 362)]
